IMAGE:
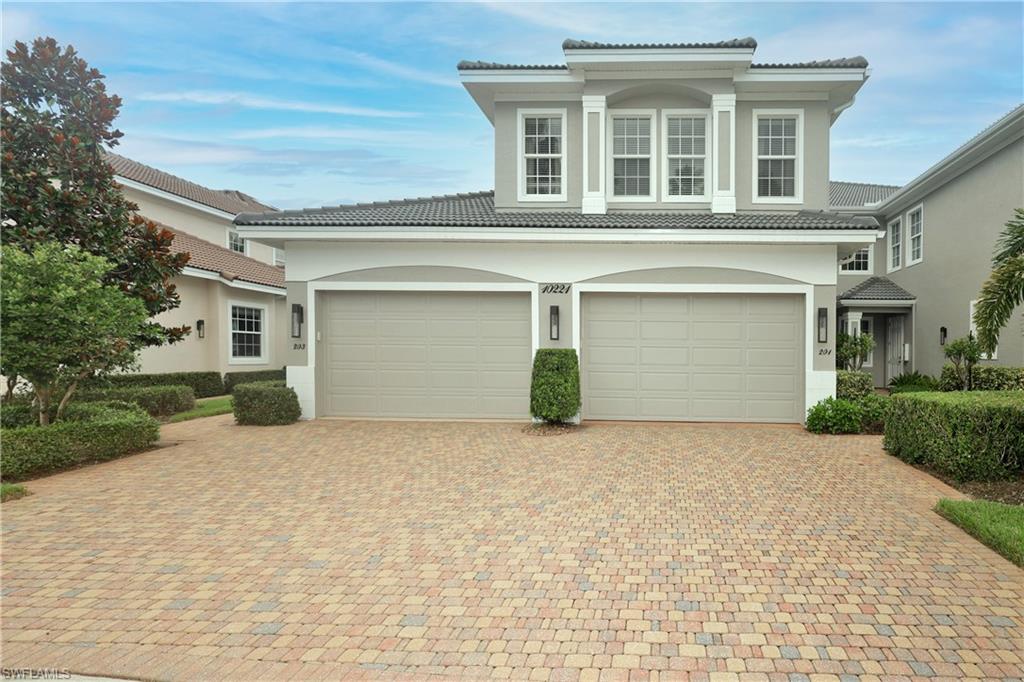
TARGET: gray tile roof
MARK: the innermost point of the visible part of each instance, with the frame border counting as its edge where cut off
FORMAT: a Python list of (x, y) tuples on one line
[(572, 44), (477, 65), (227, 200), (852, 194), (876, 289), (857, 62), (477, 210)]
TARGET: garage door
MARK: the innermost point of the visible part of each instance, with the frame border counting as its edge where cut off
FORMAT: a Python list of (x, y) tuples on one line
[(702, 357), (425, 354)]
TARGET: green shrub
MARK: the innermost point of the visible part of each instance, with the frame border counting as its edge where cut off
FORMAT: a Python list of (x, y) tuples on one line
[(874, 410), (835, 415), (89, 432), (158, 401), (265, 403), (984, 378), (555, 385), (232, 379), (852, 385), (203, 384), (910, 382), (969, 436)]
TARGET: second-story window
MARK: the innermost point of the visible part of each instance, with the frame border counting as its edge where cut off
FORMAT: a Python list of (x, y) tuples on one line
[(915, 235), (235, 242), (685, 155), (777, 141), (858, 262), (542, 170), (631, 156), (895, 245)]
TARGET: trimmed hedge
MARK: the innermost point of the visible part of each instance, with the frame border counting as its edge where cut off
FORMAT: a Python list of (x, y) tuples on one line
[(158, 401), (265, 403), (555, 385), (89, 432), (969, 436), (985, 378), (203, 384), (852, 385), (232, 379), (835, 415)]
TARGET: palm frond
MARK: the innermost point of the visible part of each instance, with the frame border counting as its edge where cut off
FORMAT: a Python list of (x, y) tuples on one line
[(1011, 243), (1000, 295)]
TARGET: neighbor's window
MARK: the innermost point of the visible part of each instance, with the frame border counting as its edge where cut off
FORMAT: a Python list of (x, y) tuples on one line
[(895, 244), (235, 242), (776, 156), (915, 228), (246, 332), (542, 155), (686, 142), (631, 156), (279, 257), (858, 262)]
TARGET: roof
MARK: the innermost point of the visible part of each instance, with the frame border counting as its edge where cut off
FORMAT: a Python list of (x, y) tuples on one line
[(857, 194), (477, 210), (572, 44), (857, 62), (477, 65), (228, 264), (877, 289), (228, 200)]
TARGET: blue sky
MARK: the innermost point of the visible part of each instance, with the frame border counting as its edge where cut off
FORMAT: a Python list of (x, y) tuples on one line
[(314, 104)]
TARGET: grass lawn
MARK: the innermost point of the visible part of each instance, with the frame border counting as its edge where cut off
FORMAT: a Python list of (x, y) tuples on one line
[(205, 407), (1000, 526), (11, 491)]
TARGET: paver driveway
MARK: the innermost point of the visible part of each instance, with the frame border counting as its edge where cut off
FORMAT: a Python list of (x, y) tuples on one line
[(333, 548)]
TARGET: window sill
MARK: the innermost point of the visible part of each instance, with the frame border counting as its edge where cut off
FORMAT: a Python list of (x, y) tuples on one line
[(777, 200), (247, 361), (861, 273), (529, 198), (914, 262)]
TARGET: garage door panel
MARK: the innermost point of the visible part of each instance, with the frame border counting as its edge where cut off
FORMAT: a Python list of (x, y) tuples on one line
[(718, 382), (718, 331), (771, 383), (718, 357), (717, 306), (655, 407), (671, 332), (414, 352), (664, 381), (356, 327), (606, 355), (718, 408), (504, 329), (500, 354), (610, 330), (772, 357), (768, 332), (613, 381), (777, 306), (665, 357), (512, 380), (667, 306)]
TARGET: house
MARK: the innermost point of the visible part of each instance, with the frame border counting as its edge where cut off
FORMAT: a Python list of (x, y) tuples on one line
[(232, 290), (663, 209), (915, 288)]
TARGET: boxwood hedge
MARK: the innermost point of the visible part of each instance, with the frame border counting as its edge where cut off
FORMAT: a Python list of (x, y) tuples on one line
[(158, 401), (853, 385), (203, 384), (555, 385), (89, 432), (969, 436), (232, 379), (985, 378), (265, 403)]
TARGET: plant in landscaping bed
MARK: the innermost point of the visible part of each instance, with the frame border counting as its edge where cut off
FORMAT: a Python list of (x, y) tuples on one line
[(157, 401), (1000, 526), (968, 436), (265, 403), (853, 350), (984, 378), (853, 385), (555, 385), (232, 379), (910, 382), (835, 415), (11, 491), (203, 384), (874, 411), (964, 353), (1004, 289), (89, 432)]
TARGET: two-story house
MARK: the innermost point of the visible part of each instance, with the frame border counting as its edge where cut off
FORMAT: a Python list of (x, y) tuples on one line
[(662, 209), (232, 290), (914, 290)]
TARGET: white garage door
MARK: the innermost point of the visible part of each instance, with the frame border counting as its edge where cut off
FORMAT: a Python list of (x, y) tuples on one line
[(425, 354), (700, 357)]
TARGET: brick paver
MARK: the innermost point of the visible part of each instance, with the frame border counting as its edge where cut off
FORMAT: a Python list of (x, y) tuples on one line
[(619, 551)]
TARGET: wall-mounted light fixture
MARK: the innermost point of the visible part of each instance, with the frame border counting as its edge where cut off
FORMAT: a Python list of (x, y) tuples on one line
[(297, 320), (822, 325), (201, 328), (554, 323), (942, 336)]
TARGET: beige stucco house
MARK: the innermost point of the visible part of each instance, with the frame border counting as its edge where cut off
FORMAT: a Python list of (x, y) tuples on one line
[(232, 289)]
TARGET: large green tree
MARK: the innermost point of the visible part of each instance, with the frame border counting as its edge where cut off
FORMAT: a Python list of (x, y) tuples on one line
[(56, 119), (1004, 289), (61, 323)]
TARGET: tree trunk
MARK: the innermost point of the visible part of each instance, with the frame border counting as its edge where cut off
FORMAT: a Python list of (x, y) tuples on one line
[(43, 396), (12, 383), (67, 395)]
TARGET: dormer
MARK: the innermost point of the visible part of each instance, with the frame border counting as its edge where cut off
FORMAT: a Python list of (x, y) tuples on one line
[(665, 127)]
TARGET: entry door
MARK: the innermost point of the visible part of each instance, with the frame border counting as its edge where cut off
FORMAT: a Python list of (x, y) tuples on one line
[(893, 348)]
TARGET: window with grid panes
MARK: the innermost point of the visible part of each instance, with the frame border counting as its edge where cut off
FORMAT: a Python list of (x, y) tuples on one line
[(246, 332), (542, 150), (776, 156), (686, 146), (631, 156)]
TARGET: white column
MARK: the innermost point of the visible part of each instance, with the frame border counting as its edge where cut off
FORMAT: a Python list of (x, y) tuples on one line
[(723, 153), (594, 108), (852, 326)]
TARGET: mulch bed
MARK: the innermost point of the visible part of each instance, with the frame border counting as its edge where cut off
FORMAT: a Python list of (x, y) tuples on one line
[(551, 429), (1010, 491)]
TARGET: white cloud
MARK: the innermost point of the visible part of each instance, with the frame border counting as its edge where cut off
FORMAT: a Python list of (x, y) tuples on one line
[(250, 101)]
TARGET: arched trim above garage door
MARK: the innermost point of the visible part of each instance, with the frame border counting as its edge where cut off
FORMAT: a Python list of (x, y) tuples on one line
[(419, 273), (692, 275)]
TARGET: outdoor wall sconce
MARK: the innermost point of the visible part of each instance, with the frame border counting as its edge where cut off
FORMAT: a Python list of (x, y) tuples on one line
[(297, 320), (822, 325), (554, 323), (201, 328), (942, 336)]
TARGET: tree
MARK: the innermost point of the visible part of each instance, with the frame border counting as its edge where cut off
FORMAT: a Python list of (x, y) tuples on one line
[(56, 119), (852, 351), (964, 353), (61, 323), (1004, 289)]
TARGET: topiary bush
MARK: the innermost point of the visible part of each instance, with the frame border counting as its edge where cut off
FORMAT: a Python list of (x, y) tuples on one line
[(851, 385), (977, 435), (203, 384), (555, 385), (835, 415), (232, 379), (89, 432), (157, 401), (265, 403), (984, 378)]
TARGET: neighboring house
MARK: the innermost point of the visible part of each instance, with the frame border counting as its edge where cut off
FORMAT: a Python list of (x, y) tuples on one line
[(915, 289), (662, 209), (232, 290)]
